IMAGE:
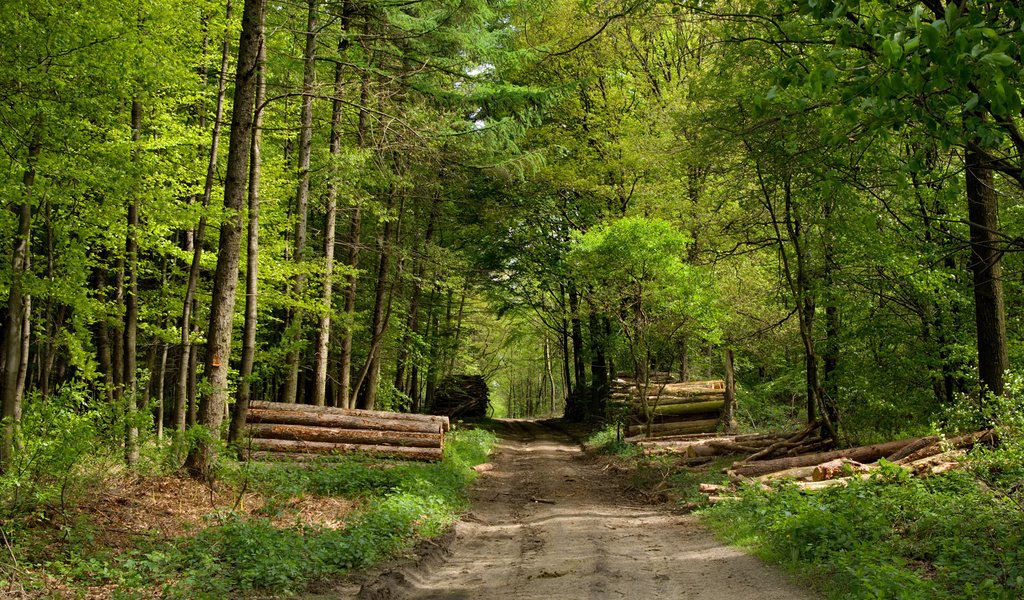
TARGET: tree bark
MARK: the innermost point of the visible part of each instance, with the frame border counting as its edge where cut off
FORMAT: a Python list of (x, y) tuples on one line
[(294, 326), (729, 408), (131, 310), (369, 376), (184, 398), (17, 304), (989, 309), (252, 259), (211, 409), (324, 338), (345, 399)]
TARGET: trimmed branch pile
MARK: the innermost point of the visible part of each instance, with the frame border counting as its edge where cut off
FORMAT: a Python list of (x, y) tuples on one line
[(461, 396), (671, 409), (280, 430), (920, 457)]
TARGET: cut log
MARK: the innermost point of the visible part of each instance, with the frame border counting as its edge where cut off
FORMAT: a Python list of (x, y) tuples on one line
[(834, 469), (669, 399), (788, 442), (912, 448), (294, 446), (720, 499), (699, 426), (956, 443), (688, 408), (346, 436), (794, 473), (319, 419), (861, 454), (712, 488), (442, 421)]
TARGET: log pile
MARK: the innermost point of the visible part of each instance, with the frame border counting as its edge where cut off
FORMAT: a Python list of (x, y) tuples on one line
[(671, 409), (279, 430), (920, 457), (461, 396)]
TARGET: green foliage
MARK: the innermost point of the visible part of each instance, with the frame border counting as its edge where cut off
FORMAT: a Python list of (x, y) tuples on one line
[(400, 502), (888, 537), (609, 441)]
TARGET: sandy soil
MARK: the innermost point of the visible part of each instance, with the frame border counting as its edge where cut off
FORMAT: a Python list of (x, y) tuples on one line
[(549, 523)]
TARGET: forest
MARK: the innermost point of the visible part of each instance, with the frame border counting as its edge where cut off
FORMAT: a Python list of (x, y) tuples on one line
[(347, 203)]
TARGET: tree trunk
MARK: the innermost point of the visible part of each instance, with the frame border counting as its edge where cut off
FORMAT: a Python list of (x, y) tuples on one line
[(324, 339), (17, 305), (211, 409), (412, 325), (345, 399), (729, 408), (184, 396), (252, 259), (161, 377), (131, 310), (598, 366), (989, 310), (294, 327), (369, 376)]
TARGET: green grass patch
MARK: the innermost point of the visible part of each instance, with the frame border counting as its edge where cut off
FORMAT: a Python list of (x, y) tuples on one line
[(239, 554), (888, 537)]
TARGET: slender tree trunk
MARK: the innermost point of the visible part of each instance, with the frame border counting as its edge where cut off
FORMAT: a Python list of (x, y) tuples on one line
[(989, 309), (729, 410), (598, 366), (160, 380), (184, 397), (324, 339), (17, 306), (412, 325), (368, 377), (573, 410), (131, 310), (345, 396), (294, 327), (211, 409), (241, 409)]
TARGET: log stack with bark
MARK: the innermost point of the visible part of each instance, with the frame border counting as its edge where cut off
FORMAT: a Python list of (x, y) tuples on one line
[(812, 471), (280, 430), (671, 409), (461, 396)]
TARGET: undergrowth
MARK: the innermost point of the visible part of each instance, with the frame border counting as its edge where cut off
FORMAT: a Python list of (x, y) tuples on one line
[(951, 536), (238, 554)]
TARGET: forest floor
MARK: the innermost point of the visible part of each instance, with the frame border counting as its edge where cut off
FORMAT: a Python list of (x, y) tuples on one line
[(549, 521)]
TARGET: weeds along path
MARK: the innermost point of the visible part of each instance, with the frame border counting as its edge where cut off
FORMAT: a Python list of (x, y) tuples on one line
[(548, 523)]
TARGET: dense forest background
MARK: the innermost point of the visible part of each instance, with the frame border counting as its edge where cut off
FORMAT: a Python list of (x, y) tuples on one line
[(344, 202)]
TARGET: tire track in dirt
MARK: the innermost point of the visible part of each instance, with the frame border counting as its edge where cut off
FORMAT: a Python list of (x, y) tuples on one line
[(548, 523)]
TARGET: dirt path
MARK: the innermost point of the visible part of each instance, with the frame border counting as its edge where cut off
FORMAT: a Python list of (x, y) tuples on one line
[(547, 523)]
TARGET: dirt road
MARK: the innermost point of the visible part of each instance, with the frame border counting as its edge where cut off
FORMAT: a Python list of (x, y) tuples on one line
[(547, 523)]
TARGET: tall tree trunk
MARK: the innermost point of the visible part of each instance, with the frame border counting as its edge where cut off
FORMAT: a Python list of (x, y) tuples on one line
[(573, 410), (324, 339), (598, 367), (131, 309), (161, 378), (369, 375), (222, 306), (412, 325), (17, 305), (345, 396), (183, 398), (989, 310), (241, 409), (294, 326), (729, 409)]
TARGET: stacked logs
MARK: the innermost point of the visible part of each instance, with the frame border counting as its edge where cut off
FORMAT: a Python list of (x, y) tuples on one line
[(671, 409), (920, 457), (279, 430), (461, 396)]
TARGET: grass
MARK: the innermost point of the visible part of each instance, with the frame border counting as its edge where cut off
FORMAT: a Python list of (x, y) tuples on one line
[(280, 528), (888, 537)]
